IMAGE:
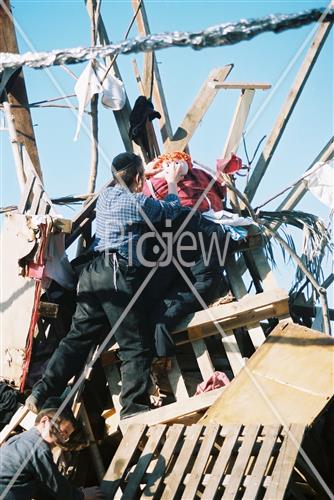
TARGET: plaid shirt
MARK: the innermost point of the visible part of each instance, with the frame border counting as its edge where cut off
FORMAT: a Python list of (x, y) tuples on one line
[(120, 219)]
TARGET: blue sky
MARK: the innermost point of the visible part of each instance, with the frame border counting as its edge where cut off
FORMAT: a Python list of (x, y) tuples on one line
[(47, 25)]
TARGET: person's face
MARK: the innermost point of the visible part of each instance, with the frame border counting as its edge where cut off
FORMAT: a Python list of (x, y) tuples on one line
[(140, 179), (56, 433), (65, 429)]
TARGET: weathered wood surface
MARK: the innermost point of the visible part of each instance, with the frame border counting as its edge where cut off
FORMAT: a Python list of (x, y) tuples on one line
[(16, 88), (17, 297), (241, 85), (198, 109), (288, 107), (194, 329), (249, 309), (282, 381), (213, 461), (150, 63)]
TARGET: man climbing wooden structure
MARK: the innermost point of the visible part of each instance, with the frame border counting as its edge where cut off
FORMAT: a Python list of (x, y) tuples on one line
[(234, 451)]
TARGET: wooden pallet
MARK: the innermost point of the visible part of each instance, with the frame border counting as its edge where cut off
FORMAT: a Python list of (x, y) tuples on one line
[(194, 330), (289, 378), (198, 461)]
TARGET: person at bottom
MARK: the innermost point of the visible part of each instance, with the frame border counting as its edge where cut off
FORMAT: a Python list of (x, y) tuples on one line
[(26, 459), (108, 284)]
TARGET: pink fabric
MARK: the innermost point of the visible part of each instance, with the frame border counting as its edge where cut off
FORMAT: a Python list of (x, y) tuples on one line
[(217, 379), (190, 189)]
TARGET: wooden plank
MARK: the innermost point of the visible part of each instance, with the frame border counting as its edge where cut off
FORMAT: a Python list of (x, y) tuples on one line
[(288, 107), (85, 216), (176, 381), (239, 290), (149, 62), (198, 109), (281, 380), (16, 88), (232, 352), (300, 189), (203, 358), (264, 270), (175, 478), (238, 471), (174, 411), (235, 134), (244, 307), (156, 434), (31, 178), (242, 86), (17, 297), (16, 419), (48, 309), (256, 478), (201, 461), (38, 191), (285, 462), (238, 123), (121, 460), (218, 471), (155, 478)]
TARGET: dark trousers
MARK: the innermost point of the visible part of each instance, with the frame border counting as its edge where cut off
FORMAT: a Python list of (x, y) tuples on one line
[(100, 306), (205, 277)]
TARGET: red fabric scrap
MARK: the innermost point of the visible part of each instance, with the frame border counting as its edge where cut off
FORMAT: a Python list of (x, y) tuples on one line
[(217, 380), (230, 166)]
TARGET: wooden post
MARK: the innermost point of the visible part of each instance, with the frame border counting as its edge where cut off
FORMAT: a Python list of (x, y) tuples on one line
[(149, 63), (15, 145), (297, 193), (288, 107), (16, 89), (93, 12), (121, 116), (235, 133)]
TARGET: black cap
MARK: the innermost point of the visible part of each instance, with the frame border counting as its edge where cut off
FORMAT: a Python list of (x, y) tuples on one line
[(125, 160)]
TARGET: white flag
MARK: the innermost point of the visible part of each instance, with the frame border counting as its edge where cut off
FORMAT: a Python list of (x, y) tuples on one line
[(320, 182)]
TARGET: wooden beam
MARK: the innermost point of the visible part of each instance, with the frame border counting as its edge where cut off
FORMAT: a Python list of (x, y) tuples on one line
[(16, 88), (235, 134), (198, 109), (84, 217), (238, 122), (249, 309), (122, 116), (149, 62), (174, 411), (300, 189), (241, 86), (288, 107)]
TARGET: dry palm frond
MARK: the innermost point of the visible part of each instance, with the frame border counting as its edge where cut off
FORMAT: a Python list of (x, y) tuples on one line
[(317, 239)]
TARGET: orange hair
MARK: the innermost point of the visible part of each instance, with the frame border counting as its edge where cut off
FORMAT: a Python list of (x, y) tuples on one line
[(175, 156)]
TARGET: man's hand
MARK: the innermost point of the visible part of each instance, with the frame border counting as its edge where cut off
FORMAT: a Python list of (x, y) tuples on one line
[(93, 493), (173, 171)]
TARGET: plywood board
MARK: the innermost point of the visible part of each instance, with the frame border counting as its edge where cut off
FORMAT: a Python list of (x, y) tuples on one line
[(290, 378), (17, 298)]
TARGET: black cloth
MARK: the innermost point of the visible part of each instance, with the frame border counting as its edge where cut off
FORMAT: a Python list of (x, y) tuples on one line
[(39, 471), (168, 305), (9, 402), (142, 111), (99, 307)]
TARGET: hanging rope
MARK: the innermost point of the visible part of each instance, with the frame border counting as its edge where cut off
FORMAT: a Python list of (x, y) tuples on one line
[(214, 36)]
